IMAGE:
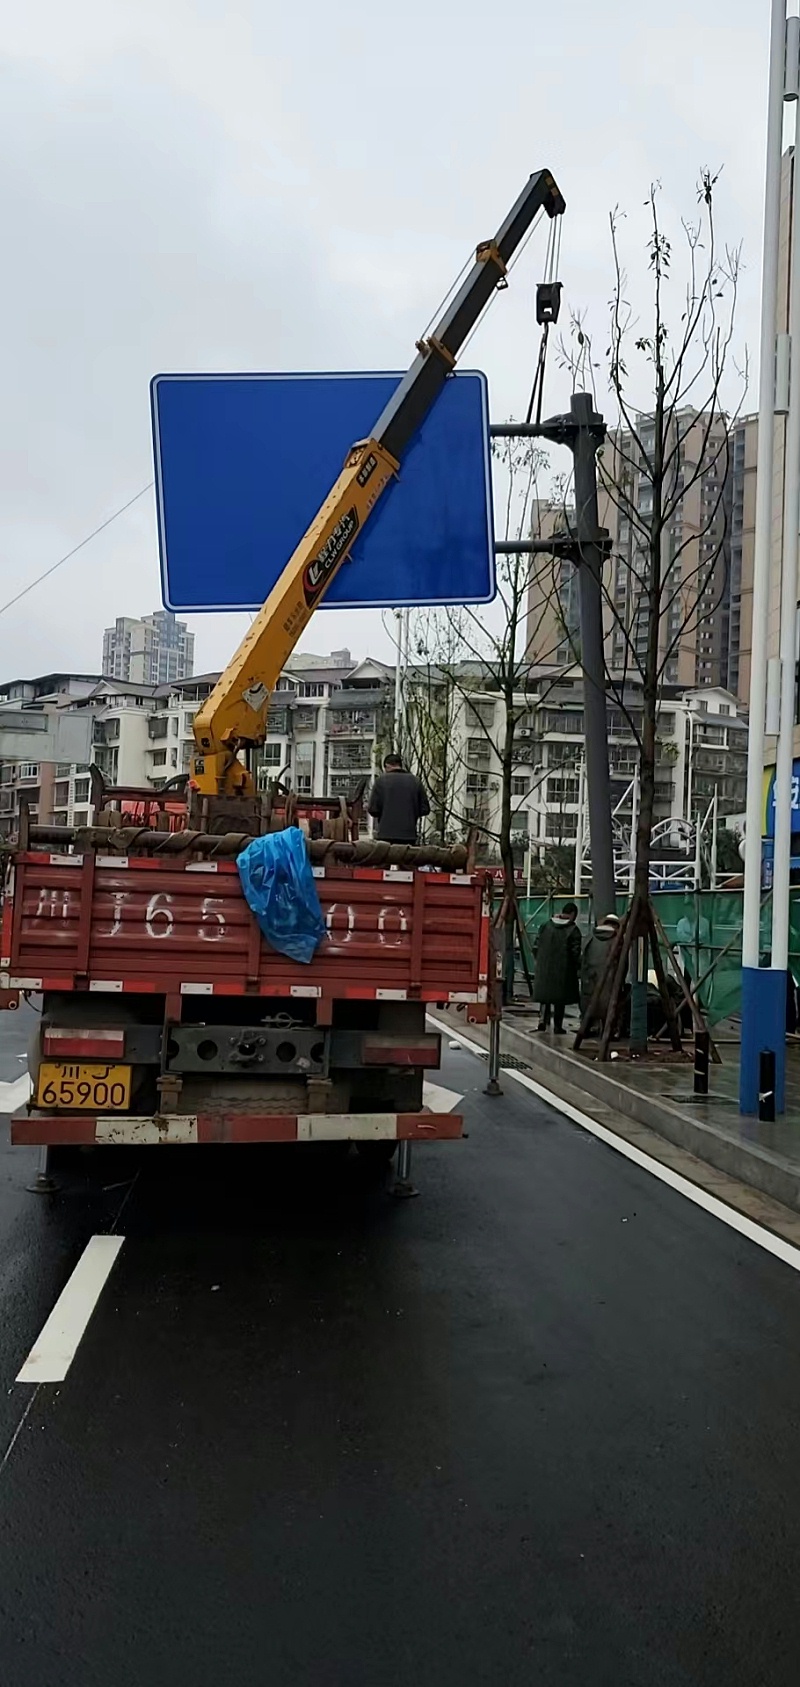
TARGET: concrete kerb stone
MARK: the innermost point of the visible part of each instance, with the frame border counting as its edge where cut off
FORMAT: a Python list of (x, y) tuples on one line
[(561, 1070)]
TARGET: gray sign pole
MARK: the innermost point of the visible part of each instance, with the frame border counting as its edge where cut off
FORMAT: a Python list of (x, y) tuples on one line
[(589, 433), (583, 431)]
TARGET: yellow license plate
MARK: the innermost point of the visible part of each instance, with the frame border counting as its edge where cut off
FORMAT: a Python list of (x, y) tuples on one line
[(90, 1087)]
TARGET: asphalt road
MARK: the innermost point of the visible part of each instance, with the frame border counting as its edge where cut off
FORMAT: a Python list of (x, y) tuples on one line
[(538, 1426)]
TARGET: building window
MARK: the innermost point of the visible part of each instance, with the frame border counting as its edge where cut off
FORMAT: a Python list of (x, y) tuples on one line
[(562, 826), (562, 790), (29, 770), (480, 714), (159, 758), (519, 787), (272, 755), (308, 688)]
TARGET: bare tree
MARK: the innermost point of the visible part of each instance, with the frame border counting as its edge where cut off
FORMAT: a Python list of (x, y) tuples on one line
[(480, 673), (669, 383)]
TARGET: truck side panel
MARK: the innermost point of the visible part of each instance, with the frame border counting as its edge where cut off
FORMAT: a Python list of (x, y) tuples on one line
[(140, 924)]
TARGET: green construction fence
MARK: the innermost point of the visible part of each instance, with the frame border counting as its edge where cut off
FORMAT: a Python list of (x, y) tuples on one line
[(703, 927)]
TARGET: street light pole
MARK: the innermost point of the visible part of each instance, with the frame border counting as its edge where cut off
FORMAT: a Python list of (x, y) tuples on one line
[(763, 992), (402, 623)]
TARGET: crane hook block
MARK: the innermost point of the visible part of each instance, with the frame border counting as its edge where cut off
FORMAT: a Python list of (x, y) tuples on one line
[(548, 301)]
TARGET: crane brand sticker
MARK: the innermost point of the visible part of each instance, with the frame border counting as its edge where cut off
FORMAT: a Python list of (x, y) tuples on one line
[(319, 570), (367, 469)]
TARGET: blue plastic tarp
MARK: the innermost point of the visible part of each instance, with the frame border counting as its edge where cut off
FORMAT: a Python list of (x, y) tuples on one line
[(280, 889)]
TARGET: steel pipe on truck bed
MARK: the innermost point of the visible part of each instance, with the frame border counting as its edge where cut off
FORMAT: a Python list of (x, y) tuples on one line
[(142, 840)]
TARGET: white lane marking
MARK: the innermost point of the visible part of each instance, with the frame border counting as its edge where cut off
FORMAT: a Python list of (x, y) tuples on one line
[(438, 1099), (54, 1350), (718, 1209), (15, 1093)]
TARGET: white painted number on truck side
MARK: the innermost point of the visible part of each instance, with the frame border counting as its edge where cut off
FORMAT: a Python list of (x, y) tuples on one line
[(55, 903), (118, 898), (159, 909), (350, 915), (388, 937), (212, 927)]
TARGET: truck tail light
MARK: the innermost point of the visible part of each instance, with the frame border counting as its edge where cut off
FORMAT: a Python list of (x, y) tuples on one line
[(67, 1043)]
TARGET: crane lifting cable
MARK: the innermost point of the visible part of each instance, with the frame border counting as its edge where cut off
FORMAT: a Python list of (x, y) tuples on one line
[(548, 305)]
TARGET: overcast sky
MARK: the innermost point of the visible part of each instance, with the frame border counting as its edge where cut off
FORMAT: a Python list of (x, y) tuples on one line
[(237, 185)]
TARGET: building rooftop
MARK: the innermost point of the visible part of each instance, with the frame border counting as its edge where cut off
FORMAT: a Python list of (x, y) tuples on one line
[(46, 684), (168, 686)]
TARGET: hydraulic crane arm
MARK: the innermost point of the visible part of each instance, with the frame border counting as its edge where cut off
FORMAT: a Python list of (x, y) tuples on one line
[(235, 714)]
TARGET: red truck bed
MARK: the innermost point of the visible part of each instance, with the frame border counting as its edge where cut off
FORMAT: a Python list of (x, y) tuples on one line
[(135, 924)]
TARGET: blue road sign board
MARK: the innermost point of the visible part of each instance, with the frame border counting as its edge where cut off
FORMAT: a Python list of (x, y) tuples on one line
[(243, 462)]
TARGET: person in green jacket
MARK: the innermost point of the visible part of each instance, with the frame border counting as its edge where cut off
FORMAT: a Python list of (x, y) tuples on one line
[(558, 960)]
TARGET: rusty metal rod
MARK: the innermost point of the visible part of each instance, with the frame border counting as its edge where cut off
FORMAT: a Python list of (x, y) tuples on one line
[(131, 840)]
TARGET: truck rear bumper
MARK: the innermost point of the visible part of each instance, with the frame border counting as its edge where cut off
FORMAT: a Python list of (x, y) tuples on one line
[(82, 1129)]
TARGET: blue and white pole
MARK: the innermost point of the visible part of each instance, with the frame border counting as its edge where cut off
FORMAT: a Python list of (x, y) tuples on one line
[(764, 989)]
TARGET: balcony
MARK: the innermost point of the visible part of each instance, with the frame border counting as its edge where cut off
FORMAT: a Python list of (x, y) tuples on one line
[(528, 753), (107, 761), (341, 784), (106, 732), (305, 719), (351, 758), (352, 723)]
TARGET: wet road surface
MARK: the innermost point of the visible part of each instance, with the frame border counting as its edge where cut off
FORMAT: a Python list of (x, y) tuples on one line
[(538, 1426)]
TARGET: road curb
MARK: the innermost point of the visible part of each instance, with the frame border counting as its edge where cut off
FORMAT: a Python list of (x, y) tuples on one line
[(759, 1168)]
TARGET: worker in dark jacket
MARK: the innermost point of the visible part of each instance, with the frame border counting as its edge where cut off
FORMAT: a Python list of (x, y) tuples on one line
[(594, 965), (558, 959), (397, 803)]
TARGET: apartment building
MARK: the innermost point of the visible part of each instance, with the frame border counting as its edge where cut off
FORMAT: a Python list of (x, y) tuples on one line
[(694, 631), (331, 722), (329, 726), (742, 522), (152, 650), (552, 608), (701, 747), (711, 752), (35, 780)]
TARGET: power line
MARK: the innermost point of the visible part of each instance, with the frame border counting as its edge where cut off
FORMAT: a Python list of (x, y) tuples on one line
[(75, 549)]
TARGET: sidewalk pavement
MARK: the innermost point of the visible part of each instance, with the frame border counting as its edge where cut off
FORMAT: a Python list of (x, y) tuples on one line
[(659, 1097)]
